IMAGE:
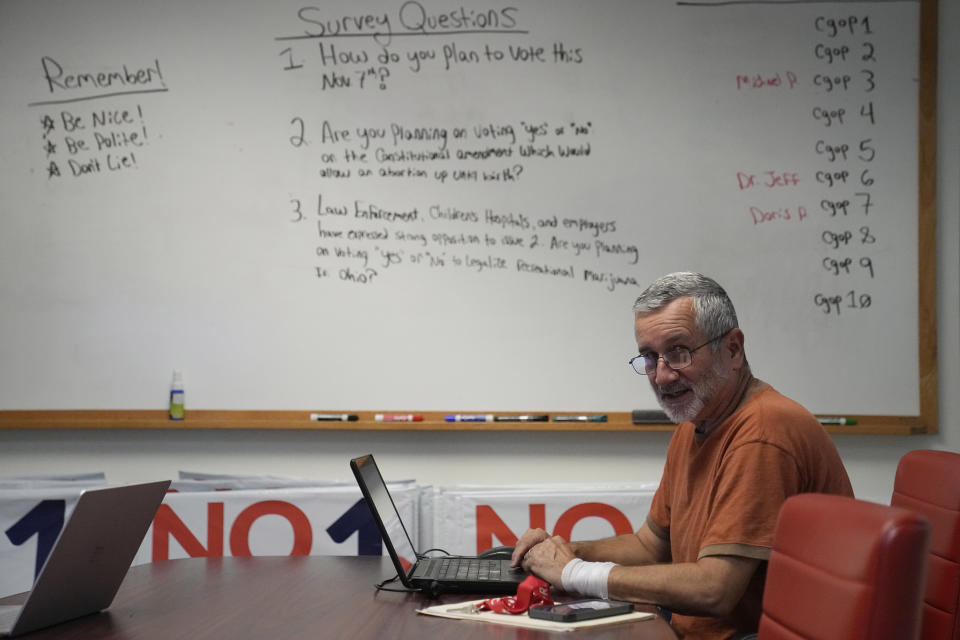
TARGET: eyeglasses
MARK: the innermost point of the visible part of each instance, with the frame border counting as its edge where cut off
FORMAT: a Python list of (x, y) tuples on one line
[(677, 358)]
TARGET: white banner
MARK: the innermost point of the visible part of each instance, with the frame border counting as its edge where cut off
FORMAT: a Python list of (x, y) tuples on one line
[(330, 520), (272, 522), (470, 519), (32, 513), (208, 515)]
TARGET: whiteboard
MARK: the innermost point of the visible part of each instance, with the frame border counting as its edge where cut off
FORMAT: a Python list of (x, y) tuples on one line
[(438, 205)]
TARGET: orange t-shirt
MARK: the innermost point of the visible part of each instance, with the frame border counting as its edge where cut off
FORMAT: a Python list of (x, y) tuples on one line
[(721, 495)]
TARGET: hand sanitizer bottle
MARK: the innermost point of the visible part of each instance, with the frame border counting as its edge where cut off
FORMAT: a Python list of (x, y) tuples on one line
[(176, 397)]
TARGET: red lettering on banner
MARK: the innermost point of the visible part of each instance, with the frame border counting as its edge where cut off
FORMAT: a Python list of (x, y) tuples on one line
[(240, 532), (166, 524), (538, 516), (576, 513), (489, 524)]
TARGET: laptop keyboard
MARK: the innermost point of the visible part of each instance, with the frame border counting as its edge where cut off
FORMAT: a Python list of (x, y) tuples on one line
[(473, 569)]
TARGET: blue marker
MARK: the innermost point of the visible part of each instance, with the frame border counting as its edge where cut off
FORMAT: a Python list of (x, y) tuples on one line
[(469, 417)]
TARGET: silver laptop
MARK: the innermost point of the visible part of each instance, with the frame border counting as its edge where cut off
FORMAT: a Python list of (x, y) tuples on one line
[(90, 558), (444, 574)]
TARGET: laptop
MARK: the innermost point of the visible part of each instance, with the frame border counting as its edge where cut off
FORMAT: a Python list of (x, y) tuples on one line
[(435, 575), (89, 559)]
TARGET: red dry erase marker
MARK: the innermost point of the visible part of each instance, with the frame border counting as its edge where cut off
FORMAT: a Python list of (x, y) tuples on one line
[(398, 417)]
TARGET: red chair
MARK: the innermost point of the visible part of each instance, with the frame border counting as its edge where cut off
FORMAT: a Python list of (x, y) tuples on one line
[(844, 569), (929, 482)]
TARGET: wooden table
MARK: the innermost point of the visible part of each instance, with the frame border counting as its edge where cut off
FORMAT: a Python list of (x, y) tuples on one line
[(289, 597)]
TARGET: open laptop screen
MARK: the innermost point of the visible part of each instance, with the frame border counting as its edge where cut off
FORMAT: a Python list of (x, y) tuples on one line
[(379, 500)]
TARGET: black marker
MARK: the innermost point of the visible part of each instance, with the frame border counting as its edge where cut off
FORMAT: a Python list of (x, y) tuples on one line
[(649, 416), (542, 418), (334, 417)]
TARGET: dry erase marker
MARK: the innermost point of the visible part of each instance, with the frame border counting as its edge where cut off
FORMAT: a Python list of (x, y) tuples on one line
[(542, 418), (840, 421), (333, 417), (579, 418), (469, 417), (398, 417), (649, 416)]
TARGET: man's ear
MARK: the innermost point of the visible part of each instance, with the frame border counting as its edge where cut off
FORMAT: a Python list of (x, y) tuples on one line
[(733, 347)]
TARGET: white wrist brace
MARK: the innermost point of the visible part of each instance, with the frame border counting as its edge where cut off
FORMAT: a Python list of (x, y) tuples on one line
[(588, 578)]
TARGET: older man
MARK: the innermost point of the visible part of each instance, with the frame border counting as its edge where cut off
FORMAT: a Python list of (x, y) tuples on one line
[(740, 450)]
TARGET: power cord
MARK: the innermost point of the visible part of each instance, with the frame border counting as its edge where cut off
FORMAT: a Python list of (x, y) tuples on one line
[(420, 556), (382, 586)]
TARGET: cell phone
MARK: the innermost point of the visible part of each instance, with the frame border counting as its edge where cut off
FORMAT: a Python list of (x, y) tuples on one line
[(580, 610)]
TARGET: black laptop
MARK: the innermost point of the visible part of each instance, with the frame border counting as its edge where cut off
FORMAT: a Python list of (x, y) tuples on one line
[(89, 559), (434, 575)]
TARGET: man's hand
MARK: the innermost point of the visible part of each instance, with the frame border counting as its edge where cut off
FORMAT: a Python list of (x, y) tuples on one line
[(526, 542), (547, 559)]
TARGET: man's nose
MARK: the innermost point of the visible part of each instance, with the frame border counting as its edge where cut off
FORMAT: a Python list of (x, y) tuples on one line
[(664, 373)]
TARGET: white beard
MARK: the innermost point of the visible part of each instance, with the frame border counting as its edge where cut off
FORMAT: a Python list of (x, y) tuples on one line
[(692, 405)]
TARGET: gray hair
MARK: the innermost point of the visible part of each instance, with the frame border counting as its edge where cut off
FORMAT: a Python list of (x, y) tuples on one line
[(712, 307)]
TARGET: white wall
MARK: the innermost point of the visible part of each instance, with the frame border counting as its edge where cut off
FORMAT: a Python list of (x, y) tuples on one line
[(134, 455)]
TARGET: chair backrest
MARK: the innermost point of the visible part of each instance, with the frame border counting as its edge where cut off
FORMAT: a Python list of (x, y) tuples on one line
[(844, 568), (929, 482)]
